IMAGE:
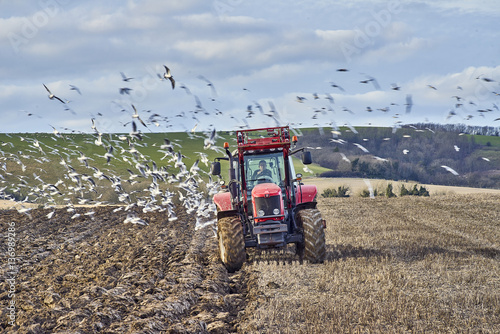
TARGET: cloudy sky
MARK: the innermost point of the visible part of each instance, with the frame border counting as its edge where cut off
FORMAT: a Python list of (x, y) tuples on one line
[(255, 53)]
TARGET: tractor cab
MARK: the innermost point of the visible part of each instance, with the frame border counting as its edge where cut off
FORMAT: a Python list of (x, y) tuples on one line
[(260, 169), (264, 168)]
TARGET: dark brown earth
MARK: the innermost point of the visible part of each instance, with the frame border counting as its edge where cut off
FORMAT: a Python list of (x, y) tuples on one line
[(98, 274)]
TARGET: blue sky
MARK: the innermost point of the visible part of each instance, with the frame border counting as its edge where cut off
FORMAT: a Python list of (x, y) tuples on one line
[(255, 53)]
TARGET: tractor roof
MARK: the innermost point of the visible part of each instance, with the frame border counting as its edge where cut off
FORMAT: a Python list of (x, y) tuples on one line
[(263, 138)]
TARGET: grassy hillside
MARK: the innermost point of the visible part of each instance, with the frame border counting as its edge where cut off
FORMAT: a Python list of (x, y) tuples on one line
[(487, 140), (30, 162), (425, 155)]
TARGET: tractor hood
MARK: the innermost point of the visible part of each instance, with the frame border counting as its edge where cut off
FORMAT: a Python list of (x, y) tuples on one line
[(267, 202), (266, 190)]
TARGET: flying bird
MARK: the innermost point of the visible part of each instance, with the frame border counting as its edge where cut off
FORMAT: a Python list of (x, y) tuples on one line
[(449, 169), (344, 157), (210, 84), (109, 154), (75, 89), (52, 96), (167, 75), (361, 147), (188, 91), (125, 90), (409, 103), (372, 80), (370, 188), (329, 98), (134, 219), (485, 79), (208, 142), (136, 115), (334, 85), (395, 86), (124, 77)]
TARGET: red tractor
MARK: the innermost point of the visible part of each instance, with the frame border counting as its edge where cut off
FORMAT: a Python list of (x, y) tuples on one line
[(265, 205)]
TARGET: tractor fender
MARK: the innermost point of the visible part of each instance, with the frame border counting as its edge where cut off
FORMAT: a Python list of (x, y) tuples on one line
[(305, 193), (223, 201), (229, 213), (306, 205)]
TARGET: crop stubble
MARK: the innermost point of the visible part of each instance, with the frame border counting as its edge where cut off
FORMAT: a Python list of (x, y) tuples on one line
[(393, 265)]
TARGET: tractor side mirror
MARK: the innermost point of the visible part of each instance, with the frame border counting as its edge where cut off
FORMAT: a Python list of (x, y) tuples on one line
[(306, 158), (215, 168)]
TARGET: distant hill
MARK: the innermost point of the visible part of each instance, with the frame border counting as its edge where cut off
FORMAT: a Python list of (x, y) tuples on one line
[(425, 153)]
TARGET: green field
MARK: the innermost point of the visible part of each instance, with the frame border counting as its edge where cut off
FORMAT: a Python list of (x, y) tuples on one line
[(31, 161), (487, 140)]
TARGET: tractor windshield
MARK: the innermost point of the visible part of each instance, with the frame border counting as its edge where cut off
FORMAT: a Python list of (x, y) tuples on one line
[(264, 168)]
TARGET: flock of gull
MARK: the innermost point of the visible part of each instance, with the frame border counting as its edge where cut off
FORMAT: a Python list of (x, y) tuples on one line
[(461, 105), (149, 185), (174, 183)]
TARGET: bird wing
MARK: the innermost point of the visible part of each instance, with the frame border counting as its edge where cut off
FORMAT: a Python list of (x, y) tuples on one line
[(361, 147), (409, 103), (55, 97), (167, 70), (449, 169)]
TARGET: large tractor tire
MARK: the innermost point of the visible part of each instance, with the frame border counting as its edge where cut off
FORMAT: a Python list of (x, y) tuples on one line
[(231, 243), (313, 249)]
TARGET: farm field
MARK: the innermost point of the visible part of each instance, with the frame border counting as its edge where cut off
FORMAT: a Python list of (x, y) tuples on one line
[(356, 185), (408, 264)]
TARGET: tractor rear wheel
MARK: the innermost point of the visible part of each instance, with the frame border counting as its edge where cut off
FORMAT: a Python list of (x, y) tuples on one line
[(231, 243), (313, 249)]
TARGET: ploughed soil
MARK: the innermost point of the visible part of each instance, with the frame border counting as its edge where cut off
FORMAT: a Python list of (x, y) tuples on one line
[(95, 273)]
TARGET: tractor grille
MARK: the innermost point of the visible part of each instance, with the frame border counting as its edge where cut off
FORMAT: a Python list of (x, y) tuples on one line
[(267, 205)]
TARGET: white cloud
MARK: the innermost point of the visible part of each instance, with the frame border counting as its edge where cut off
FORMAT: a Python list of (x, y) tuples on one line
[(484, 7), (209, 20), (396, 51), (335, 36), (240, 47), (167, 8), (274, 51)]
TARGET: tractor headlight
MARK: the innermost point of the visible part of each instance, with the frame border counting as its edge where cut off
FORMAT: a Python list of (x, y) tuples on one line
[(276, 211), (260, 213)]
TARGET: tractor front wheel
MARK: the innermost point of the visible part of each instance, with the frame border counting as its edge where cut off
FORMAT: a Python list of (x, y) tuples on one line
[(231, 243), (313, 248)]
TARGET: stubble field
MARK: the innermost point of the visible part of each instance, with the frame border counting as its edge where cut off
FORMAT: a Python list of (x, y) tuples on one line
[(397, 265), (393, 266)]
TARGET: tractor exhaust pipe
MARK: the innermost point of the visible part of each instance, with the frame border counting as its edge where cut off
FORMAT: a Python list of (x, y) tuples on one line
[(233, 186)]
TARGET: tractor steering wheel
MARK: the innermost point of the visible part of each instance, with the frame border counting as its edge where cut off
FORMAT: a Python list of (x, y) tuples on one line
[(264, 179)]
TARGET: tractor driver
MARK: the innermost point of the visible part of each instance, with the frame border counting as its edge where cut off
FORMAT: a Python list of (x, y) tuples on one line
[(262, 171)]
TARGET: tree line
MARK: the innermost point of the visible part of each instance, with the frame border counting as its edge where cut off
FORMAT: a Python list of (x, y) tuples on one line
[(409, 153)]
